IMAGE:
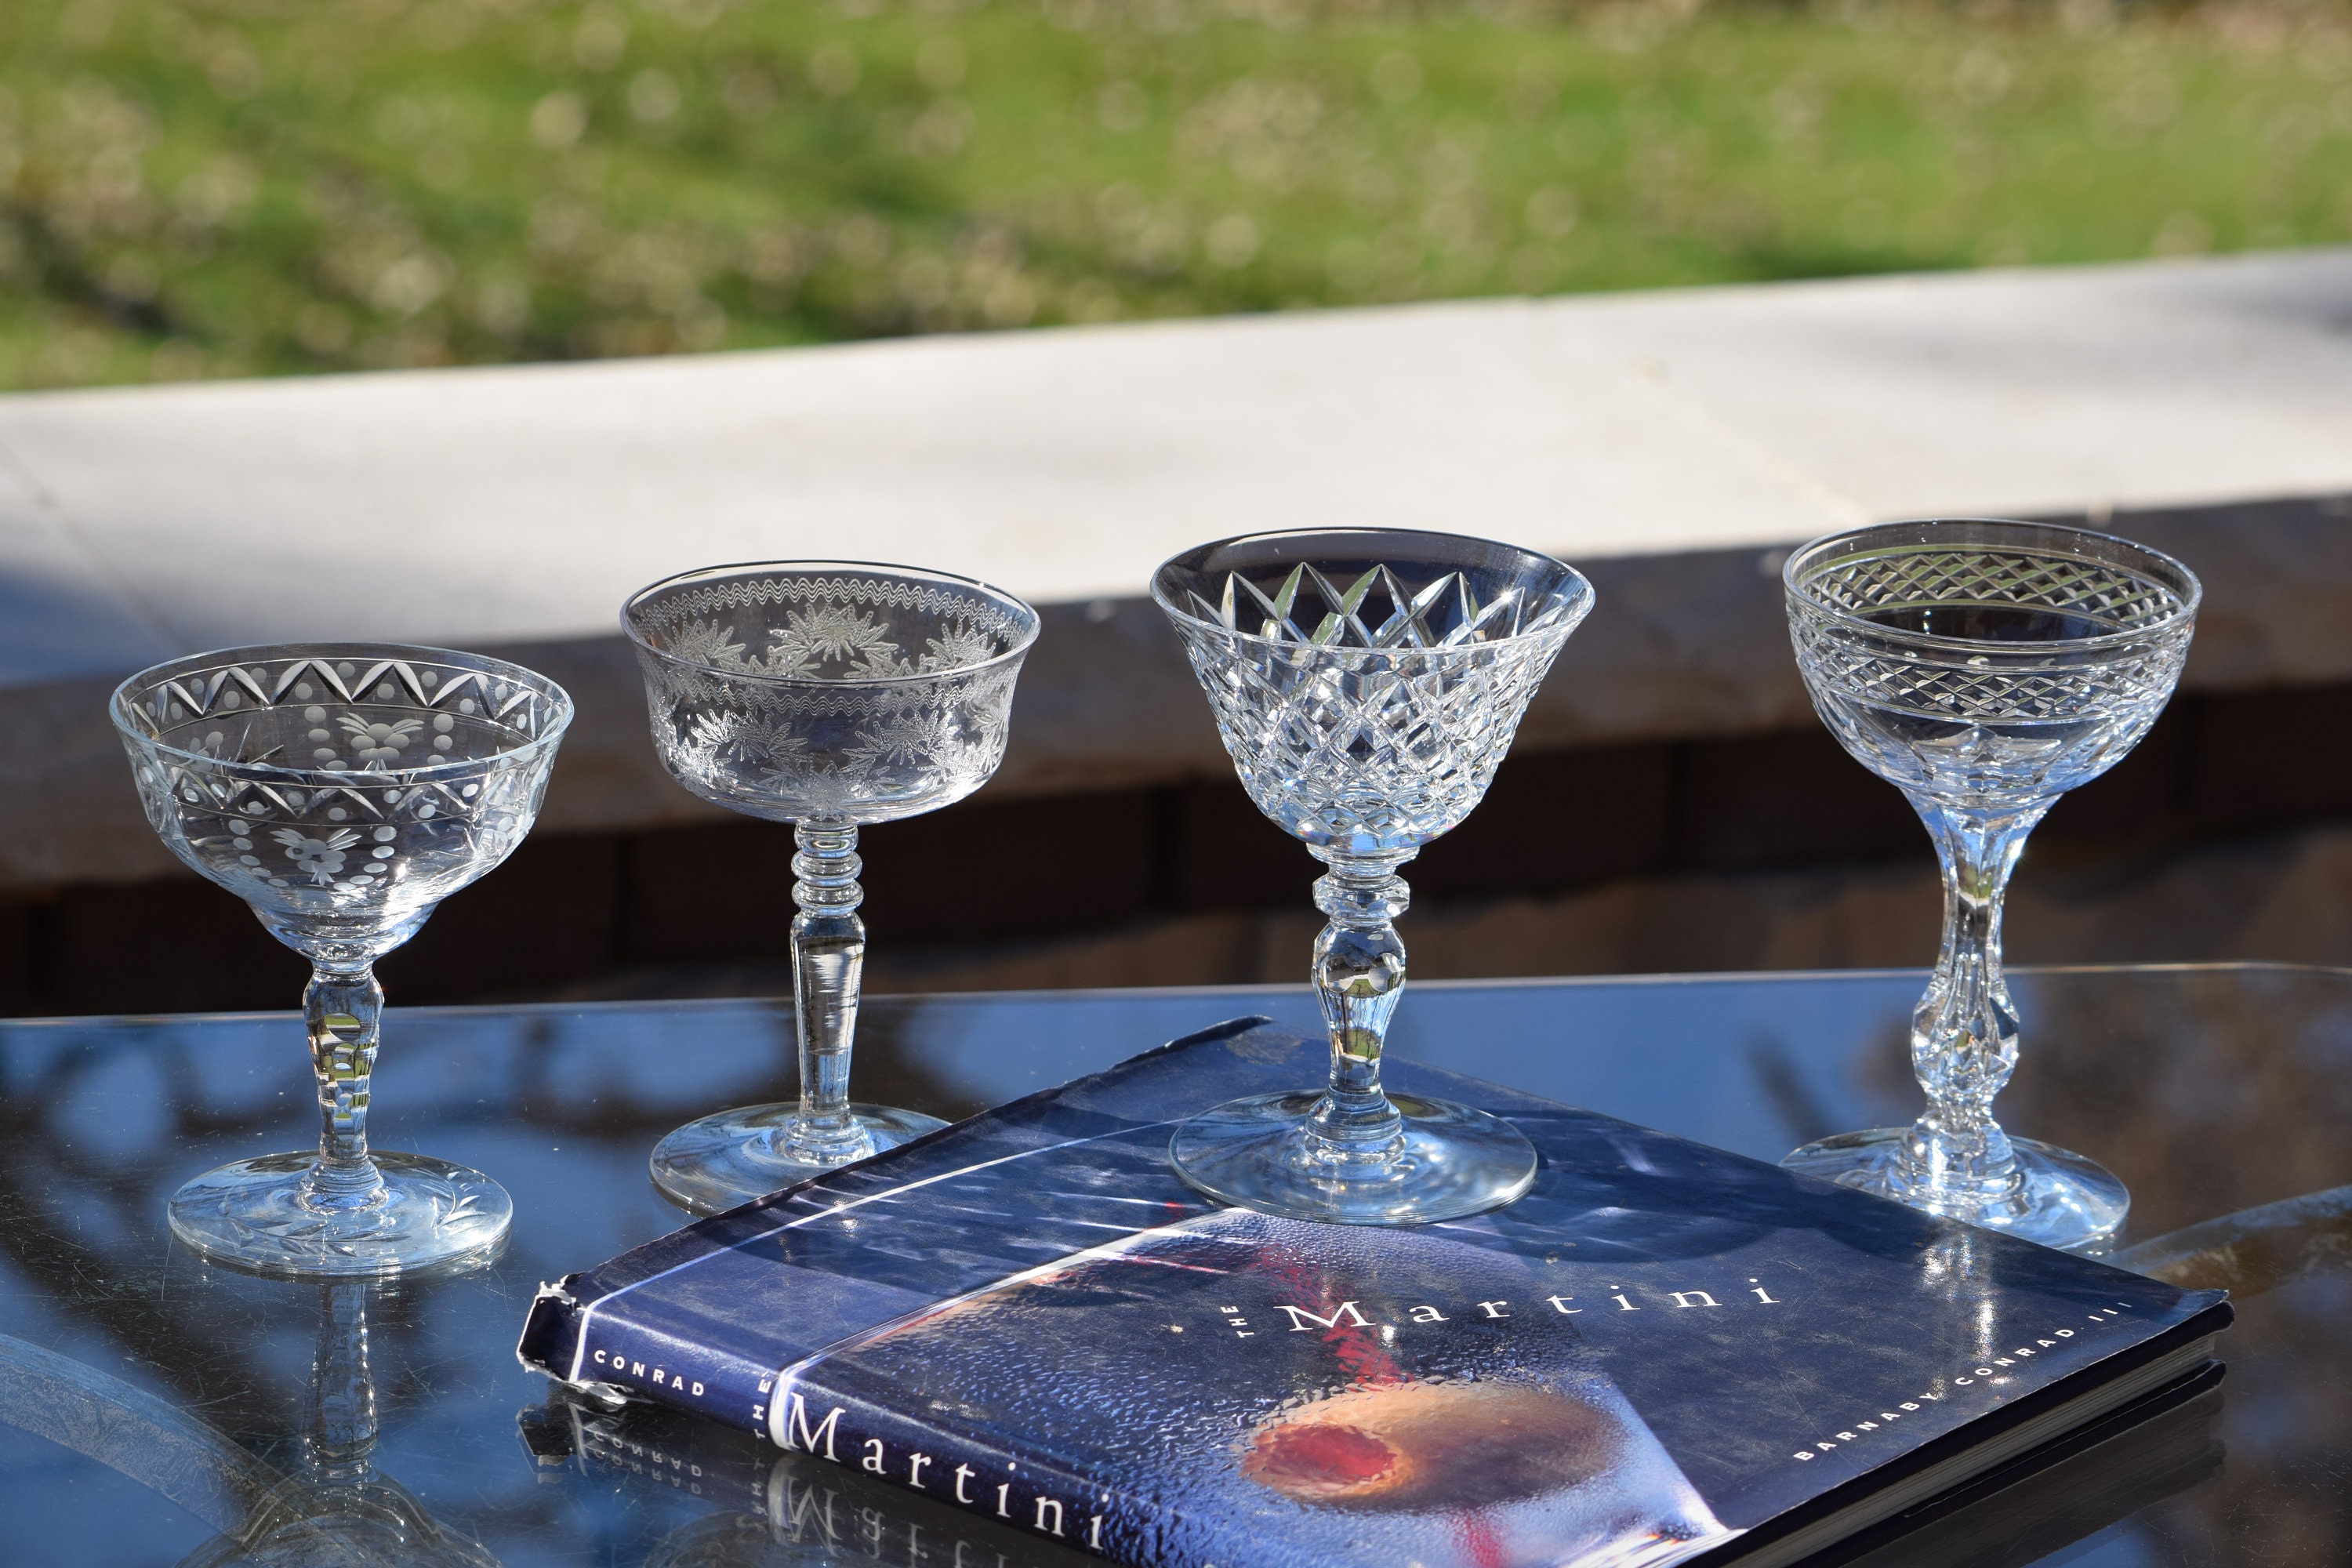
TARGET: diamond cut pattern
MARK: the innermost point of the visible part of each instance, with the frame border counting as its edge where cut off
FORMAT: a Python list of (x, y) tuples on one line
[(1369, 750), (1444, 614)]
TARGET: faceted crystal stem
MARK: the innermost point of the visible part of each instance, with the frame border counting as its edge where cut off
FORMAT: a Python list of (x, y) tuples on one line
[(1964, 1030), (341, 1006), (1359, 979), (828, 964)]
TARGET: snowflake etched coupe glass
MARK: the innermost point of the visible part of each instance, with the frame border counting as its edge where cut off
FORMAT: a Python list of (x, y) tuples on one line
[(1983, 669), (1366, 683), (343, 789), (829, 695)]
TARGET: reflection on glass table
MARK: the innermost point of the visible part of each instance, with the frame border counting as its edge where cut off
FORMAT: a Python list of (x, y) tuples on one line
[(222, 1380), (765, 1508), (332, 1511)]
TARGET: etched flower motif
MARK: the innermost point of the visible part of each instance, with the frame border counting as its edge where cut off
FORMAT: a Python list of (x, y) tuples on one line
[(322, 857), (709, 733), (960, 645), (815, 784), (679, 685), (908, 741), (814, 737), (808, 640), (707, 642), (713, 736), (770, 741), (379, 743), (984, 721)]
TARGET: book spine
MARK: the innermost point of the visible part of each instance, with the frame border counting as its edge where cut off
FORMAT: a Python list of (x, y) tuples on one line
[(1038, 1499), (574, 1343), (1009, 1488)]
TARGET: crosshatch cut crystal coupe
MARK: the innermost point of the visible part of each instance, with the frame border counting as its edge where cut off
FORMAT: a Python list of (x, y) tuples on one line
[(1366, 683), (828, 694), (343, 789), (1984, 668)]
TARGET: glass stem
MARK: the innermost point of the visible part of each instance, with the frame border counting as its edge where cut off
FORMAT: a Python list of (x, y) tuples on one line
[(828, 964), (1964, 1030), (338, 1435), (1359, 979), (340, 1007)]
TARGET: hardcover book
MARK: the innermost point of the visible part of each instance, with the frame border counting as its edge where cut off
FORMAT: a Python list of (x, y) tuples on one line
[(1662, 1353)]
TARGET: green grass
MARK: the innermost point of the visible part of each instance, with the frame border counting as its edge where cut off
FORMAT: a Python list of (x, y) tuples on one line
[(230, 187)]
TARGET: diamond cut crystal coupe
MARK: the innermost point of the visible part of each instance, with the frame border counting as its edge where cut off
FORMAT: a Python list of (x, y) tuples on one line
[(830, 695), (343, 789), (1366, 683), (1983, 669)]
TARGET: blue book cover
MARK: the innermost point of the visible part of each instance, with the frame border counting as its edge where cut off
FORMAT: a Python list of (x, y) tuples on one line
[(1662, 1353)]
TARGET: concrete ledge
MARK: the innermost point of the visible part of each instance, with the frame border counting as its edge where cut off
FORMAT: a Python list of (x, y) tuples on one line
[(1671, 443)]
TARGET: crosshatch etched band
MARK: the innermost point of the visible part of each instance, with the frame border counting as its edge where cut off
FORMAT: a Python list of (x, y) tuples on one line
[(1940, 574), (2013, 689)]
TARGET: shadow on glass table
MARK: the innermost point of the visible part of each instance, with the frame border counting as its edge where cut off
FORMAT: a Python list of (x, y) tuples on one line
[(157, 1410)]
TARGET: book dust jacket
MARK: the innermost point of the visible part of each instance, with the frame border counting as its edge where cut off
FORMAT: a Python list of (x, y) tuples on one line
[(1661, 1349)]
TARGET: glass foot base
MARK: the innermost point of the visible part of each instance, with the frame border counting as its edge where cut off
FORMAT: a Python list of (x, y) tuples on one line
[(1253, 1153), (715, 1164), (2059, 1198), (251, 1215)]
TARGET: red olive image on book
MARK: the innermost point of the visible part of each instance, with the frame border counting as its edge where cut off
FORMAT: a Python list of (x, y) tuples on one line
[(1431, 1444)]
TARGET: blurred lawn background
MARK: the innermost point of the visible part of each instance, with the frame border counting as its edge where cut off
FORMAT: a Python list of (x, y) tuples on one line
[(236, 187)]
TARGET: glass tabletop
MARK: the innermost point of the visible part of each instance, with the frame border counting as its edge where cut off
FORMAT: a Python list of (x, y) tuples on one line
[(157, 1410)]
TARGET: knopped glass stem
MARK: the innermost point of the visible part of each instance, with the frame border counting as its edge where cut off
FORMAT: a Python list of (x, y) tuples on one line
[(342, 1007), (1956, 1158), (1358, 980), (828, 967)]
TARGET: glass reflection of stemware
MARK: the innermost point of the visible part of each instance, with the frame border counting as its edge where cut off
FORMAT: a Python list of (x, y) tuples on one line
[(343, 789), (336, 1510), (1366, 682), (1983, 669), (829, 695)]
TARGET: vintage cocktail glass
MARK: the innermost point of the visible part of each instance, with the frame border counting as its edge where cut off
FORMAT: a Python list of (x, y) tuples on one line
[(1983, 669), (1366, 683), (343, 789), (828, 694)]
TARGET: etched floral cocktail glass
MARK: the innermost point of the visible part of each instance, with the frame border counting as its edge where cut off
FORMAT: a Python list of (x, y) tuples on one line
[(830, 695), (343, 789), (1366, 683), (1983, 669)]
